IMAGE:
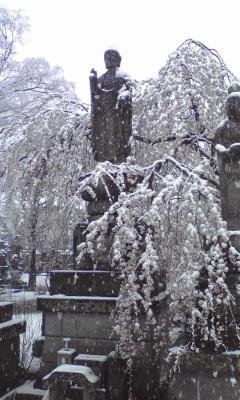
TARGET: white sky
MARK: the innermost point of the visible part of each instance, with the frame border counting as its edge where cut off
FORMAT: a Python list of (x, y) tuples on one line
[(74, 33)]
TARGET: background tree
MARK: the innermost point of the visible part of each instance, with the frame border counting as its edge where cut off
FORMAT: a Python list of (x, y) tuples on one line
[(45, 147), (40, 116)]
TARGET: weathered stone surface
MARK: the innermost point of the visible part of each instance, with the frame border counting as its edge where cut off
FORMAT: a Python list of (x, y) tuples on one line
[(109, 186), (105, 190), (9, 359), (207, 376), (76, 304), (73, 325), (98, 207), (79, 236), (101, 260), (9, 346), (95, 217), (37, 347), (111, 111), (84, 283), (11, 328), (146, 378), (6, 311)]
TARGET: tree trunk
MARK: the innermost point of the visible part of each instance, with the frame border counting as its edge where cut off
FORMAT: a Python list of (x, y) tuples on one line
[(32, 270), (33, 241)]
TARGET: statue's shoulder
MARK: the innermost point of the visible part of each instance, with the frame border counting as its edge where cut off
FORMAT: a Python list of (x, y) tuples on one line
[(123, 76), (120, 73)]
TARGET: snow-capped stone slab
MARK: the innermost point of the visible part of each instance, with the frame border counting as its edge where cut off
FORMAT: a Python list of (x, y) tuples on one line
[(78, 373), (90, 357)]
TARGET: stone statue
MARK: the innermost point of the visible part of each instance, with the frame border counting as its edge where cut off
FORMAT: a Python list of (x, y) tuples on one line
[(111, 111), (227, 146)]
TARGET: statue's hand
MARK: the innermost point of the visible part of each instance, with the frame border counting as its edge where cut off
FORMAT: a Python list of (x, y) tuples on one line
[(93, 82), (123, 99), (93, 74), (234, 150)]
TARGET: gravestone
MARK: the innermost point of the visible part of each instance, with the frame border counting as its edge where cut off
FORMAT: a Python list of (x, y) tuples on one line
[(111, 111)]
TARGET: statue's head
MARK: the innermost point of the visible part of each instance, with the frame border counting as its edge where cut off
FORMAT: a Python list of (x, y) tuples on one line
[(233, 106), (234, 87), (112, 59)]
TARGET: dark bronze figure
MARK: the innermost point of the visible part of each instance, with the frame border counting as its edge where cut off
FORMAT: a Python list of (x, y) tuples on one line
[(111, 111), (227, 145)]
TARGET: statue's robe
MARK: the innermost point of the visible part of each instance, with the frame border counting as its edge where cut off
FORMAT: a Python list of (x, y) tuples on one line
[(228, 135), (111, 117)]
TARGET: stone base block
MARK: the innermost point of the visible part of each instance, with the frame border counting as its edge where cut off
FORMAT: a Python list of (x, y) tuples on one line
[(207, 376), (6, 311), (84, 283)]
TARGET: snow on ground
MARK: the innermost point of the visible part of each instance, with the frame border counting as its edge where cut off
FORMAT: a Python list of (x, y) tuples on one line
[(25, 308), (24, 300), (33, 332), (28, 388), (42, 280)]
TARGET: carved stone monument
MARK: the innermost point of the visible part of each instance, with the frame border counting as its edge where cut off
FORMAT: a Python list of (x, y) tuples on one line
[(227, 145), (111, 111)]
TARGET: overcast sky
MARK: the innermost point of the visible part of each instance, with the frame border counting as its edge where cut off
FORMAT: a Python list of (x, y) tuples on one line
[(74, 33)]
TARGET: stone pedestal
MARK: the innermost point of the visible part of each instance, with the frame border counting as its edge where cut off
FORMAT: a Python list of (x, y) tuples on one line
[(99, 198), (80, 305), (65, 356)]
